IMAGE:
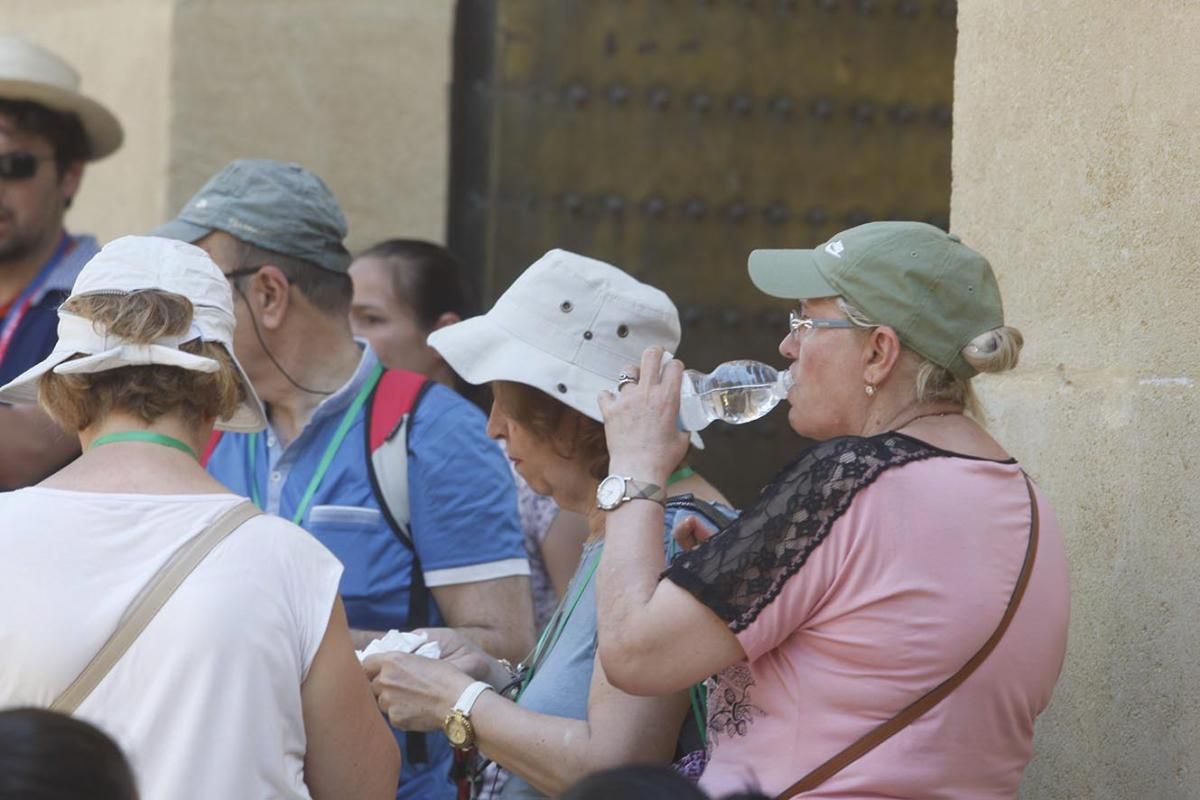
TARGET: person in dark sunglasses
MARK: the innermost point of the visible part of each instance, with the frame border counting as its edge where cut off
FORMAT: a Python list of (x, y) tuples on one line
[(48, 131)]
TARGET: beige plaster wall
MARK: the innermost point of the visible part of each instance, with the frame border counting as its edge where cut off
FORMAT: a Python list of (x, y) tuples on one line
[(121, 48), (1076, 162), (356, 90)]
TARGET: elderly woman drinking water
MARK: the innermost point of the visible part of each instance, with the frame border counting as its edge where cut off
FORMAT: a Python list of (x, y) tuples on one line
[(890, 617)]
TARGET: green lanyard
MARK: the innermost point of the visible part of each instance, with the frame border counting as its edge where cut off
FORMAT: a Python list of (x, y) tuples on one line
[(680, 474), (330, 450), (557, 623), (144, 436)]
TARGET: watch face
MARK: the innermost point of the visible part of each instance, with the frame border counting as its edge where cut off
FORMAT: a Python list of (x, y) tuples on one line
[(458, 730), (610, 492)]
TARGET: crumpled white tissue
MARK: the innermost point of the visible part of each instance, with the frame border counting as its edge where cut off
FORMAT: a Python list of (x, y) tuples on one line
[(403, 642)]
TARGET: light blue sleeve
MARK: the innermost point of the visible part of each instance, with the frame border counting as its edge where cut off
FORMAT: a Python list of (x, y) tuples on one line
[(463, 502)]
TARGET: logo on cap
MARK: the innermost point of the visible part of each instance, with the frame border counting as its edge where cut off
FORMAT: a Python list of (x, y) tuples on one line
[(835, 248)]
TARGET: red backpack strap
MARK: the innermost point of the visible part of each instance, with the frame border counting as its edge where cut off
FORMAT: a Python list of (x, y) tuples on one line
[(394, 396), (389, 408), (213, 441), (393, 401)]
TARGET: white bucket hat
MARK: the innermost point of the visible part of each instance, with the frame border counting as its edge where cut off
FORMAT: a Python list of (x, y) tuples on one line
[(29, 72), (136, 263), (568, 325)]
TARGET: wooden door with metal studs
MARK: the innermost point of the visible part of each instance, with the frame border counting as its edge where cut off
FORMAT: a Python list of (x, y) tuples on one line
[(672, 137)]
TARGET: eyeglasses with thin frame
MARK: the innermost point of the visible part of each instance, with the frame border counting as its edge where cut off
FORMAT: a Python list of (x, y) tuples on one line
[(242, 272), (799, 323), (20, 165)]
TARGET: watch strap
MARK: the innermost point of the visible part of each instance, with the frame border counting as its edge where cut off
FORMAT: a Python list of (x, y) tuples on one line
[(466, 700), (644, 490)]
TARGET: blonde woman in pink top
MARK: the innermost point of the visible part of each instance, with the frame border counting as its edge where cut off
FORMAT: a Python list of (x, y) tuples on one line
[(873, 567)]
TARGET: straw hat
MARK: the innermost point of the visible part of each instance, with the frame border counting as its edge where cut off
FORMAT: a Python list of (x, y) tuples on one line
[(29, 72)]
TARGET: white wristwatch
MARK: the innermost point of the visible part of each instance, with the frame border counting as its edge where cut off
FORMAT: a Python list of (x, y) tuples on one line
[(457, 724), (617, 489)]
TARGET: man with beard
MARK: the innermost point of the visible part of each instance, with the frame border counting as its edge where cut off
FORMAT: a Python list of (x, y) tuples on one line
[(48, 130)]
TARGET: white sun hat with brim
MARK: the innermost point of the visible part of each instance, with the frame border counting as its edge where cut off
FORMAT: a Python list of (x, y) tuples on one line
[(567, 326), (139, 263), (34, 74)]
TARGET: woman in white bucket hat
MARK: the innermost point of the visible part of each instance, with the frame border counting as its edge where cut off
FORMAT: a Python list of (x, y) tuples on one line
[(236, 679), (559, 335)]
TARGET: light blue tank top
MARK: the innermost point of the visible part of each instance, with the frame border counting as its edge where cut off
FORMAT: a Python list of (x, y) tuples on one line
[(561, 684)]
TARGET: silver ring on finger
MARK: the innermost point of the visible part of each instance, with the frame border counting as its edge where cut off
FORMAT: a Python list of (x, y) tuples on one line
[(623, 379)]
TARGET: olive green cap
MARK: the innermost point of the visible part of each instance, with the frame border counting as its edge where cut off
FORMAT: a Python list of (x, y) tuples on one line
[(925, 284)]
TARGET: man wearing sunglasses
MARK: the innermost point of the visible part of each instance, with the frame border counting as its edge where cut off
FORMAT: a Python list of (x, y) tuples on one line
[(48, 130)]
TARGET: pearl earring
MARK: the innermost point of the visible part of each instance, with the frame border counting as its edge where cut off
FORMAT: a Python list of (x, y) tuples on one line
[(869, 389)]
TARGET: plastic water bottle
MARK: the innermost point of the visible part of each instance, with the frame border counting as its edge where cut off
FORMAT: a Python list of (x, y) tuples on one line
[(735, 392)]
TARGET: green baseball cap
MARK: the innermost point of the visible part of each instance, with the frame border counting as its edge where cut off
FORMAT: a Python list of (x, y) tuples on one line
[(277, 206), (925, 284)]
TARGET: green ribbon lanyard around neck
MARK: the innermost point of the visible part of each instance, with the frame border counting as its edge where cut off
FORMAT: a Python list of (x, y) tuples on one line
[(330, 450), (558, 622), (144, 436)]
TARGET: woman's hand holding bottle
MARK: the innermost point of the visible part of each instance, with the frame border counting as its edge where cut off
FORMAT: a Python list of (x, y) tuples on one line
[(640, 420)]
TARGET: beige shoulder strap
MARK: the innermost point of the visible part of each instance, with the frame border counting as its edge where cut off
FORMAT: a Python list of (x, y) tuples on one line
[(148, 602), (881, 734)]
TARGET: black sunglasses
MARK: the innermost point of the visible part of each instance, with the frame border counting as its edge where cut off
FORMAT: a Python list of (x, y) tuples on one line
[(20, 166)]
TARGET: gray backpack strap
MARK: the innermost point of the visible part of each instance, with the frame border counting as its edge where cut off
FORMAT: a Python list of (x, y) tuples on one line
[(149, 601)]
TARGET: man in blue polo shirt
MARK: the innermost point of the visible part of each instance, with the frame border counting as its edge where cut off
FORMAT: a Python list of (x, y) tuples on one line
[(47, 131), (276, 231)]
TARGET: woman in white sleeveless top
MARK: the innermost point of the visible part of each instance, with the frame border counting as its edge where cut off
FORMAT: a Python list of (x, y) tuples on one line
[(245, 683)]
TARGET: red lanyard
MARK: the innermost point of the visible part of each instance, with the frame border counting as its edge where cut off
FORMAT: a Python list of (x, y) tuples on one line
[(24, 301)]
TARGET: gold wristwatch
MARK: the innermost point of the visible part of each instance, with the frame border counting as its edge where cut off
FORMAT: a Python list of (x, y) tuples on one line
[(457, 725)]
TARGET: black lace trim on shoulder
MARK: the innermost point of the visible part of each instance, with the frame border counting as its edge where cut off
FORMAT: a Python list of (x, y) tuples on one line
[(740, 571)]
